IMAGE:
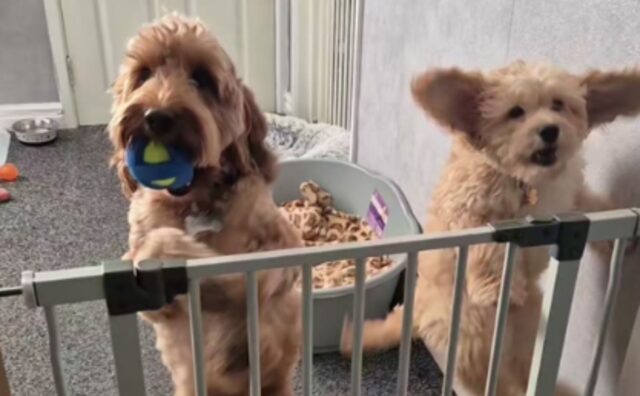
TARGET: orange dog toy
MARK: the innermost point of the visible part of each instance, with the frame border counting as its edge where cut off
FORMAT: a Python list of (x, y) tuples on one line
[(9, 172)]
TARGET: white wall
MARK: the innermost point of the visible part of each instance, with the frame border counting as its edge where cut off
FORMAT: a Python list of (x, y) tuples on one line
[(402, 37), (26, 68)]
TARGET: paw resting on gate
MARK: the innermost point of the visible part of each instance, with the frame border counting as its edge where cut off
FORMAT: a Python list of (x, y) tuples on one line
[(167, 243), (588, 201), (604, 249), (217, 293), (486, 291)]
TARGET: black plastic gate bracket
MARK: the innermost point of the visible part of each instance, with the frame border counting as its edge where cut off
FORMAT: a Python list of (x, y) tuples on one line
[(149, 286), (572, 237), (566, 232)]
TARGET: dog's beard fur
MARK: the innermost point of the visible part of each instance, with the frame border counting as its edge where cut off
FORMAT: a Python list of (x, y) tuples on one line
[(178, 67)]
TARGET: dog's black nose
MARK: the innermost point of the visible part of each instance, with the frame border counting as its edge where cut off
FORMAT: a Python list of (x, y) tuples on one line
[(158, 121), (549, 134)]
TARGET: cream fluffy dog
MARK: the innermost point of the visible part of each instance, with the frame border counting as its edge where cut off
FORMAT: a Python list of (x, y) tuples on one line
[(178, 86), (517, 138)]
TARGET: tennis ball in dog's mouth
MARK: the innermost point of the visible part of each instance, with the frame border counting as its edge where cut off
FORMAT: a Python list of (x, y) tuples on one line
[(155, 153), (158, 166)]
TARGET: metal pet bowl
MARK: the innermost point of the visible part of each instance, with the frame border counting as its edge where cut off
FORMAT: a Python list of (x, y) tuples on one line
[(35, 130)]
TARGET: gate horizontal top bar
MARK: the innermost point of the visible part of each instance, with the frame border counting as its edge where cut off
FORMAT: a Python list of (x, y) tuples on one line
[(198, 268), (86, 283), (603, 225), (68, 286)]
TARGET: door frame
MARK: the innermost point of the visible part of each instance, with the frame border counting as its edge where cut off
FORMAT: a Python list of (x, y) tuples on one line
[(60, 54), (64, 73)]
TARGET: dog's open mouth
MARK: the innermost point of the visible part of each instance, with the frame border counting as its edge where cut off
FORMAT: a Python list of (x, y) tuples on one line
[(545, 157)]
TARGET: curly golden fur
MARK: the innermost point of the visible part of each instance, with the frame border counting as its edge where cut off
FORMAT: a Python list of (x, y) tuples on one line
[(518, 133), (177, 67)]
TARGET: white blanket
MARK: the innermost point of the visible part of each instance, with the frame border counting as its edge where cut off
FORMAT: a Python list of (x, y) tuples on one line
[(293, 137)]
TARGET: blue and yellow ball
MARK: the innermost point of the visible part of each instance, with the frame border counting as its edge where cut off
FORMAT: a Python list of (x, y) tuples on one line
[(158, 166)]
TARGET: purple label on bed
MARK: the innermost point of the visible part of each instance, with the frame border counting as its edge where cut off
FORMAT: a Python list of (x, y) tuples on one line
[(378, 214)]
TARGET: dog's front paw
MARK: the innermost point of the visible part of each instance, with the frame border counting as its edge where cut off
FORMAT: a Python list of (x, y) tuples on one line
[(158, 243), (604, 249), (483, 292), (170, 243), (519, 291), (278, 281), (632, 246), (487, 292)]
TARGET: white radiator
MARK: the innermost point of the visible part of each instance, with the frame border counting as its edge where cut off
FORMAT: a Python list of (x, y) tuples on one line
[(322, 37)]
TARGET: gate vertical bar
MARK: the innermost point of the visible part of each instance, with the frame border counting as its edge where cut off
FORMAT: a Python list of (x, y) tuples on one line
[(253, 333), (283, 58), (358, 321), (340, 52), (126, 354), (501, 320), (556, 306), (195, 319), (311, 54), (358, 23), (333, 92), (454, 327), (307, 330), (615, 278), (54, 350), (407, 323), (326, 60), (349, 50)]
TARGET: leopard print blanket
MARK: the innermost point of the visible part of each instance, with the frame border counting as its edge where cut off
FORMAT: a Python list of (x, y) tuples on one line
[(320, 224)]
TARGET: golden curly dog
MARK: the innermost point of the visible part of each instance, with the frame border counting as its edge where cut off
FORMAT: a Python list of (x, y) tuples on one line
[(517, 138), (178, 86)]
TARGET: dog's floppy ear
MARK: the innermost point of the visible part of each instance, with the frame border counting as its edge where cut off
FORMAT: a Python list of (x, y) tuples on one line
[(256, 133), (451, 97), (611, 94), (250, 151)]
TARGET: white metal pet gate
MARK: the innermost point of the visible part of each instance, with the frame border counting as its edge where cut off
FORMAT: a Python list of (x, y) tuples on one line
[(127, 292)]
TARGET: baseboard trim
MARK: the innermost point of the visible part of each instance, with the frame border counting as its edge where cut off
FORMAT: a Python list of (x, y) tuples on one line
[(11, 113)]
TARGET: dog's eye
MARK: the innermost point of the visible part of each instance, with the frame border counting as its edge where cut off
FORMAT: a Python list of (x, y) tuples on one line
[(143, 75), (557, 105), (202, 79), (515, 112)]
